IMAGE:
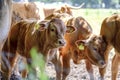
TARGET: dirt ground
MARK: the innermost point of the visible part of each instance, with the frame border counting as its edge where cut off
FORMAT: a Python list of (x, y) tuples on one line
[(78, 72)]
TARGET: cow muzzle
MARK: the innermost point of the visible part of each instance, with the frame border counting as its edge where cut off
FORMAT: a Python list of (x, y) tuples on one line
[(102, 63), (61, 42)]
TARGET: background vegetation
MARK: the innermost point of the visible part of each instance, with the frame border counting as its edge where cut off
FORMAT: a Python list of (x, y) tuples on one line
[(88, 3), (95, 16)]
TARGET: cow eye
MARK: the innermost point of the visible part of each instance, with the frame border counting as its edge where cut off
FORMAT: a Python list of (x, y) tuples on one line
[(52, 30), (95, 49)]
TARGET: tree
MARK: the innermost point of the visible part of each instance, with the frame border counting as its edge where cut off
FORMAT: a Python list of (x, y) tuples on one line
[(107, 3)]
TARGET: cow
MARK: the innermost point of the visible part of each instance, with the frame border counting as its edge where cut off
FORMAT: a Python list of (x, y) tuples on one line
[(110, 31), (44, 35), (35, 10), (26, 10), (63, 9), (5, 21), (32, 10), (92, 51)]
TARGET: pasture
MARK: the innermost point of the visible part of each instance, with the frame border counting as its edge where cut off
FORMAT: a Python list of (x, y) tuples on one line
[(78, 72), (95, 16)]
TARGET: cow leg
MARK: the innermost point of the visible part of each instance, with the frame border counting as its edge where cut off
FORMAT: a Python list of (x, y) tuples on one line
[(58, 67), (89, 69), (5, 67), (115, 65), (103, 70), (66, 66), (8, 63)]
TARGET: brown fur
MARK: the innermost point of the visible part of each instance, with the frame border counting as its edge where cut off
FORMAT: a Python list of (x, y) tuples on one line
[(110, 30), (31, 10), (24, 35), (71, 51), (26, 10)]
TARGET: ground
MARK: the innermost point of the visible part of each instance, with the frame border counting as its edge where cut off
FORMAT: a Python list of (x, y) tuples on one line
[(78, 72)]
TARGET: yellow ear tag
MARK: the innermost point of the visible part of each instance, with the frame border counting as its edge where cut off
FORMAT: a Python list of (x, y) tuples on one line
[(81, 47), (37, 26)]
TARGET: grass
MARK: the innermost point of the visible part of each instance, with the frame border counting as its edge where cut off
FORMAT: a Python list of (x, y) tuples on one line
[(95, 16)]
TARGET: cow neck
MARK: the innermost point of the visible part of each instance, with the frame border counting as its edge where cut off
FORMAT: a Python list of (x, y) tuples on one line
[(43, 43)]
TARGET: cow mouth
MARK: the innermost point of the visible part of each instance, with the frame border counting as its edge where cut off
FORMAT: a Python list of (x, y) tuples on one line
[(100, 63)]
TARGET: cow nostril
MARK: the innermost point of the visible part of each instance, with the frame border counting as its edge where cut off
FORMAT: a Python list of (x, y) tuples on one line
[(60, 42), (102, 62)]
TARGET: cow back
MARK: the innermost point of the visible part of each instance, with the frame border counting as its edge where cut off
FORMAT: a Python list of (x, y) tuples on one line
[(110, 30), (83, 29)]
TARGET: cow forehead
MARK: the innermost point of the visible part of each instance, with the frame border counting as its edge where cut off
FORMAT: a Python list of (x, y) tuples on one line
[(59, 25), (96, 41)]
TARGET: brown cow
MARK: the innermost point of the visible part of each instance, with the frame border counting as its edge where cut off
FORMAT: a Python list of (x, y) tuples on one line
[(44, 35), (110, 30), (34, 10), (63, 9), (5, 21), (26, 10), (92, 52)]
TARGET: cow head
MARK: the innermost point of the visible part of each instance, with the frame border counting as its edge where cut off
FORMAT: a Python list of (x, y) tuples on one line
[(93, 48), (55, 30)]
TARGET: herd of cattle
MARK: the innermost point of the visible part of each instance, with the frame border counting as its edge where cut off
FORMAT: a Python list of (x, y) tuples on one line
[(58, 36)]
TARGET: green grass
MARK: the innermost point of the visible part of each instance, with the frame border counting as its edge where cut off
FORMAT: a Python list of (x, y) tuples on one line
[(37, 62), (95, 16)]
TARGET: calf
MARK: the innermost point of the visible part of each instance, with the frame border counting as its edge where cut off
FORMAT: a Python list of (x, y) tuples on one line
[(24, 35), (110, 30), (92, 49)]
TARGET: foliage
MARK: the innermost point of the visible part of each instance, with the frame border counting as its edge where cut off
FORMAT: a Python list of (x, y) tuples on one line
[(88, 3), (37, 62)]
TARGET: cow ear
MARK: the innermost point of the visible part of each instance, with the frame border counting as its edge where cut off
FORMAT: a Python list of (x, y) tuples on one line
[(26, 6), (62, 9), (41, 26), (70, 29), (81, 44)]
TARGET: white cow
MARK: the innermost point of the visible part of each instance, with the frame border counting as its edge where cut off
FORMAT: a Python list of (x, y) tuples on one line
[(5, 22)]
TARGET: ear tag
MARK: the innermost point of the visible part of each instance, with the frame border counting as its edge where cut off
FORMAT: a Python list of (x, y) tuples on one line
[(81, 47), (37, 26)]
